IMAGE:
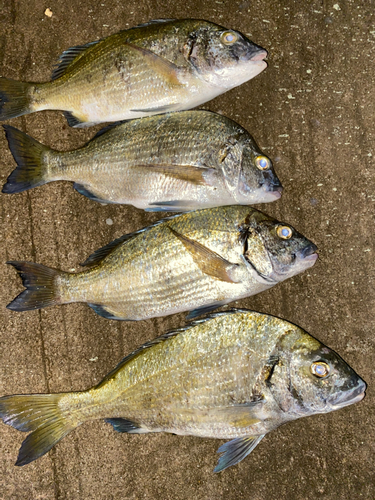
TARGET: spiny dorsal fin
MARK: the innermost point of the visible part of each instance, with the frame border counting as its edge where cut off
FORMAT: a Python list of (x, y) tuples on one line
[(174, 333), (108, 127), (68, 56), (96, 257), (135, 353), (153, 21), (101, 253)]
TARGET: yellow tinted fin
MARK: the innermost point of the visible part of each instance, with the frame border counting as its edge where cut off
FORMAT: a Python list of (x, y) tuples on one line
[(165, 68), (207, 260), (188, 173), (39, 414)]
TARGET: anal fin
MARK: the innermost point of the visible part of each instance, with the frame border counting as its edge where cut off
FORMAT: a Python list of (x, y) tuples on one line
[(124, 425), (107, 312), (199, 311), (86, 192), (71, 119)]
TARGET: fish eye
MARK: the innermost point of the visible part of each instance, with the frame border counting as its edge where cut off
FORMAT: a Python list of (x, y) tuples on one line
[(229, 37), (320, 369), (262, 162), (284, 232)]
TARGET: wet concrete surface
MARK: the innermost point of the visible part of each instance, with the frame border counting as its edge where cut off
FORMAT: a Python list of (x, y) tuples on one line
[(312, 112)]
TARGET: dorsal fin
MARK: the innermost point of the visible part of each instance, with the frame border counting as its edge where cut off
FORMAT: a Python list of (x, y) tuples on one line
[(168, 335), (101, 253), (135, 353), (153, 21), (108, 127), (68, 56)]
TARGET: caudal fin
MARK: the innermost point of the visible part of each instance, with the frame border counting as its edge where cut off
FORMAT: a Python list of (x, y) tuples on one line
[(41, 287), (14, 98), (28, 153), (39, 414)]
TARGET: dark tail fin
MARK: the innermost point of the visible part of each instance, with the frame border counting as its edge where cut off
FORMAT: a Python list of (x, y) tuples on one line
[(41, 287), (28, 153), (14, 98), (39, 414)]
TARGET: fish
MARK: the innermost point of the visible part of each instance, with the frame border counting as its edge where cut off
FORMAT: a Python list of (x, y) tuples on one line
[(236, 375), (195, 261), (176, 162), (160, 66)]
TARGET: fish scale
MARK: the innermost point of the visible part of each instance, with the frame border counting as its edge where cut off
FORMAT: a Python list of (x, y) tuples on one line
[(163, 66), (228, 376), (198, 259), (178, 161)]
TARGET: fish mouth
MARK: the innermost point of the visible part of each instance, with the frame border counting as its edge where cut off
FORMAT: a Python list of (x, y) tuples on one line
[(308, 254), (260, 56), (274, 195), (352, 397), (274, 191)]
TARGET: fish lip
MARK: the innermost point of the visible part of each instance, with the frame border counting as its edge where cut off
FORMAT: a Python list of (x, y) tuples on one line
[(259, 56), (349, 401), (352, 397), (274, 191), (274, 195), (308, 254)]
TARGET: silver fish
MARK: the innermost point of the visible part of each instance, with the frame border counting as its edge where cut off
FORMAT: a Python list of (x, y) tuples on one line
[(190, 262), (161, 66), (181, 161), (236, 375)]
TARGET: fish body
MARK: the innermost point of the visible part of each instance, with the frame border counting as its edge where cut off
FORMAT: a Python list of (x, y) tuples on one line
[(165, 65), (236, 375), (196, 260), (182, 161)]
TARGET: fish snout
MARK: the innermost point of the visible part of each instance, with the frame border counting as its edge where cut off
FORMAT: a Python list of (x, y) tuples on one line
[(309, 252), (354, 394), (273, 187), (259, 55)]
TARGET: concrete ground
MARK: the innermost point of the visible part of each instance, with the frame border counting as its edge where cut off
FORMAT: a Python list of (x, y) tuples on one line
[(313, 112)]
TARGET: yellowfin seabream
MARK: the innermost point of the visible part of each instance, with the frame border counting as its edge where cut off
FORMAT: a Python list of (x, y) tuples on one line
[(181, 161), (194, 262), (236, 375), (161, 66)]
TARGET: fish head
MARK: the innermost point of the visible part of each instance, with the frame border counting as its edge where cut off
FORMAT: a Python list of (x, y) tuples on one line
[(320, 381), (224, 58), (257, 178), (274, 250)]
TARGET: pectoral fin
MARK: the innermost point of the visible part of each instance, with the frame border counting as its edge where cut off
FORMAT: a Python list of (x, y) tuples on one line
[(163, 67), (236, 450), (208, 261), (188, 173)]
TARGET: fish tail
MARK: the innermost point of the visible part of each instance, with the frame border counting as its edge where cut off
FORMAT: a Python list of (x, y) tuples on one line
[(31, 168), (41, 415), (42, 287), (14, 98)]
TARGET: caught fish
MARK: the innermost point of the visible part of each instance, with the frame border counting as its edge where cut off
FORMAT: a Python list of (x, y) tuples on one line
[(195, 262), (236, 375), (160, 66), (182, 161)]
